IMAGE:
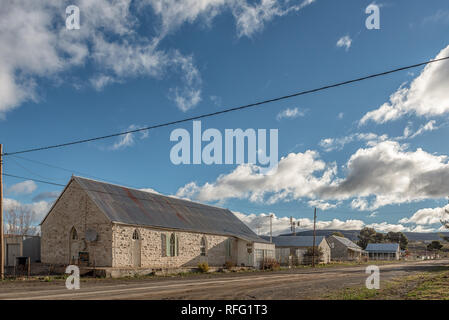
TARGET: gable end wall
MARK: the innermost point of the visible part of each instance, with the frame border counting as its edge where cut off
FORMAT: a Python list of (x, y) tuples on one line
[(74, 208)]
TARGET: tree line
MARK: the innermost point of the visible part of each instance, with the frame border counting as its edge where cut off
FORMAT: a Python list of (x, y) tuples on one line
[(369, 235)]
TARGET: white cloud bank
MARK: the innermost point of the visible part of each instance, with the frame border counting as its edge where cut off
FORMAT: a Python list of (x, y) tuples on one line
[(25, 187), (250, 16), (39, 208), (426, 96), (36, 44), (260, 223), (371, 139), (382, 174), (428, 216), (331, 144)]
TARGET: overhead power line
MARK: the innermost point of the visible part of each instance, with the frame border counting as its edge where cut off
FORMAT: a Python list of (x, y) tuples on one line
[(251, 105), (102, 191), (33, 179), (71, 171)]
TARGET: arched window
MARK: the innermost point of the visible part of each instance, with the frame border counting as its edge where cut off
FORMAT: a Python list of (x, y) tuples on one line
[(173, 245), (163, 245), (203, 246), (73, 234), (136, 235), (228, 247)]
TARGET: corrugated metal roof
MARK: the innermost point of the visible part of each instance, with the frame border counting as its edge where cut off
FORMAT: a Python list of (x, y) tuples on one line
[(295, 241), (382, 247), (348, 243), (136, 207)]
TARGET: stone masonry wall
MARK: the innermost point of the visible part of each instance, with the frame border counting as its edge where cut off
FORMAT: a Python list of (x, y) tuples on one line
[(75, 209), (339, 252), (151, 248)]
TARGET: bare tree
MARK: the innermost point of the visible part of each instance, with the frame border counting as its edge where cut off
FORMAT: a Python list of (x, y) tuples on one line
[(20, 220)]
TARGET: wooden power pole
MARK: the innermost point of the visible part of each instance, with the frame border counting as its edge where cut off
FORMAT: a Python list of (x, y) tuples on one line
[(271, 228), (314, 236), (2, 236)]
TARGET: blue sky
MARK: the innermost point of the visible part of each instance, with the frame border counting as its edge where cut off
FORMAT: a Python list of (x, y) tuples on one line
[(138, 63)]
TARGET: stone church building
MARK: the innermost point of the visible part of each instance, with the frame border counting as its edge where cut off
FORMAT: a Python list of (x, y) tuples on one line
[(99, 224)]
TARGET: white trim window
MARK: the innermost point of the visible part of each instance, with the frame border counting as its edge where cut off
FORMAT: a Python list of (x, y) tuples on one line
[(203, 246)]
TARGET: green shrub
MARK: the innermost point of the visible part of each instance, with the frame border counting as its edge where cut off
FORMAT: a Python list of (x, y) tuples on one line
[(310, 254), (229, 265), (203, 267), (270, 264)]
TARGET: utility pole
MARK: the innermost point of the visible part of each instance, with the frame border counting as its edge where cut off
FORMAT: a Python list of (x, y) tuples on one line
[(314, 236), (293, 225), (2, 238), (271, 228)]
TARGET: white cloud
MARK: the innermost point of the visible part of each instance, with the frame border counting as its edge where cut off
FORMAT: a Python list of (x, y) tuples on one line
[(25, 187), (27, 26), (379, 175), (260, 223), (216, 100), (340, 115), (345, 42), (387, 227), (322, 205), (426, 96), (392, 175), (127, 140), (440, 16), (39, 208), (372, 139), (151, 190), (427, 216), (409, 134), (424, 229), (290, 113), (101, 81), (294, 178), (250, 17), (46, 195), (331, 144)]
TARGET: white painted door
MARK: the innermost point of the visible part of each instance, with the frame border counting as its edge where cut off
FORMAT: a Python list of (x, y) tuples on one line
[(136, 253), (12, 251), (74, 252)]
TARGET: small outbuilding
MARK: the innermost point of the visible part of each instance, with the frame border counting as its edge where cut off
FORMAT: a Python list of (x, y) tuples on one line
[(21, 246), (383, 251), (291, 249), (343, 249)]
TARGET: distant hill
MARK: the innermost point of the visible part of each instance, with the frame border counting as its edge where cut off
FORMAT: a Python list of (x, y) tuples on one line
[(424, 236), (353, 234)]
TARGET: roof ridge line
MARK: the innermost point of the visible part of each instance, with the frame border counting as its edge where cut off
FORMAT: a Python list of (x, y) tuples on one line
[(154, 193)]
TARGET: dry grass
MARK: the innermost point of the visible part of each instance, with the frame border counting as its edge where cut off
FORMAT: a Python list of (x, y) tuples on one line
[(424, 286)]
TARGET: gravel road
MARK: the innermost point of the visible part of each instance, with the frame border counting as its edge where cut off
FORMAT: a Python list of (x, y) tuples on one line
[(287, 284)]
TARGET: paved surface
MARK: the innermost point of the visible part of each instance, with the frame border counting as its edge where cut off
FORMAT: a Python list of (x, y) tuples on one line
[(291, 284)]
